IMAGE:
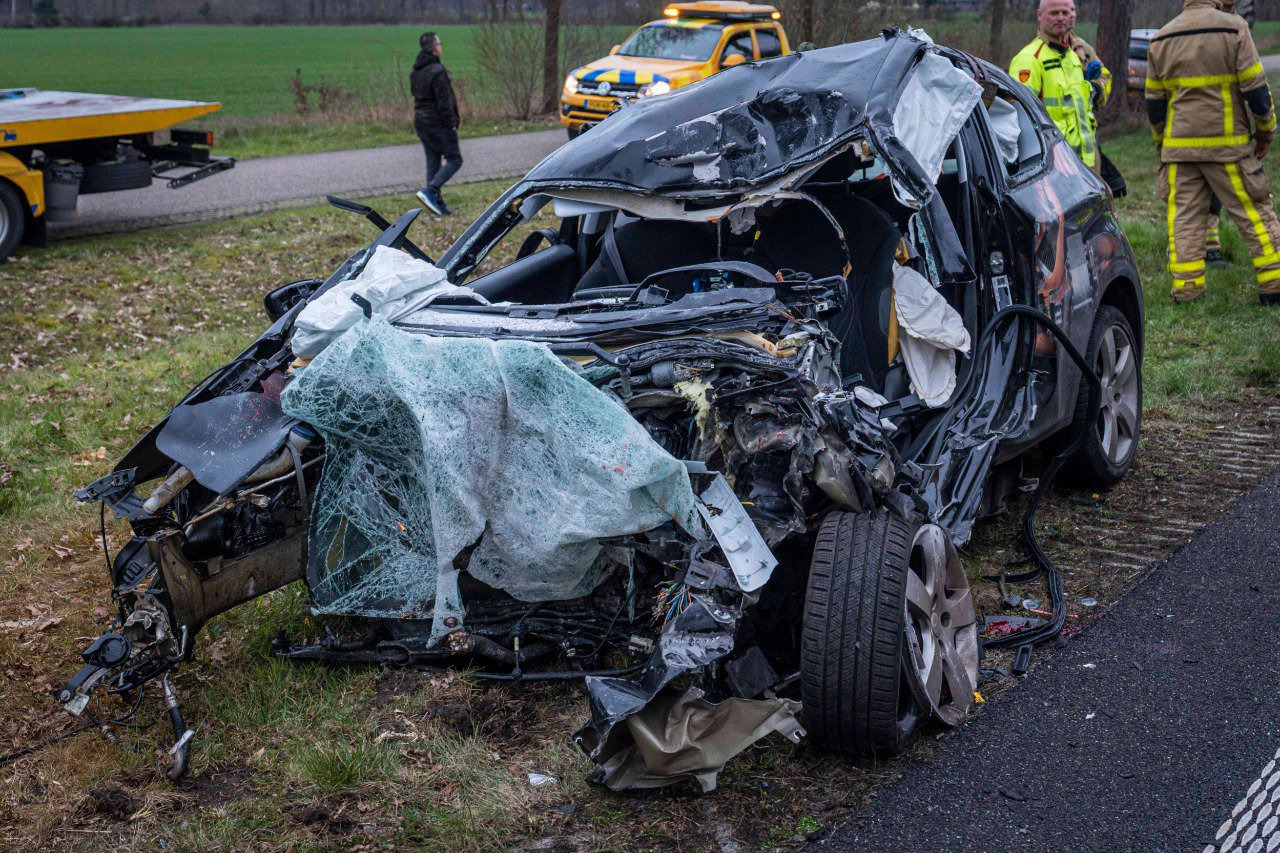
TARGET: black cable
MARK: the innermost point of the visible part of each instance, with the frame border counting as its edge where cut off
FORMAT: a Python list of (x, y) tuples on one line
[(1053, 580), (11, 757)]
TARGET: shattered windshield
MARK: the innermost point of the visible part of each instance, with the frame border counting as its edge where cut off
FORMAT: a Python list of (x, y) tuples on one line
[(690, 41)]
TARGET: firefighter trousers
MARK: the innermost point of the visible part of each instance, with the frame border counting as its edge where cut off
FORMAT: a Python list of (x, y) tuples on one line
[(1245, 192)]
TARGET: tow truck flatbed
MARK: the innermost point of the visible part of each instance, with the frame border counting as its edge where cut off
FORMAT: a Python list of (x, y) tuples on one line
[(56, 146)]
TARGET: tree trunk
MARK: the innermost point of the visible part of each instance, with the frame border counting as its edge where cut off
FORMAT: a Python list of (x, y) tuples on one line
[(996, 47), (1113, 48), (806, 20), (551, 56)]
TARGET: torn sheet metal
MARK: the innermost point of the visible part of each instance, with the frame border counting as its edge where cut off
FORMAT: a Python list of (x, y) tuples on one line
[(680, 735), (224, 440), (743, 127), (932, 332), (392, 283), (933, 106), (439, 444), (751, 560)]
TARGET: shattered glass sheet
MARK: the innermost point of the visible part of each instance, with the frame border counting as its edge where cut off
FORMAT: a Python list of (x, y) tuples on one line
[(436, 443)]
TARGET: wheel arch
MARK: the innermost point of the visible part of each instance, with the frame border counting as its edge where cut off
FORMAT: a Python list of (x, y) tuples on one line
[(1123, 294)]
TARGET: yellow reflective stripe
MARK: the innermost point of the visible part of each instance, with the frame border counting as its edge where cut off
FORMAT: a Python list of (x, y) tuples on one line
[(1259, 229), (1205, 141), (1269, 258), (1268, 276), (1195, 82), (1228, 110), (1155, 85), (1249, 73), (1186, 266), (1173, 209), (1188, 283), (1267, 125)]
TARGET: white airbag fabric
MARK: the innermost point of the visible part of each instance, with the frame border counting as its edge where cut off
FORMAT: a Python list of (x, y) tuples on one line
[(391, 282), (931, 332), (1004, 124), (934, 105)]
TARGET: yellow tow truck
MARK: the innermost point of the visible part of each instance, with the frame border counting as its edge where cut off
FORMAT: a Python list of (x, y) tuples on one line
[(692, 41), (56, 146)]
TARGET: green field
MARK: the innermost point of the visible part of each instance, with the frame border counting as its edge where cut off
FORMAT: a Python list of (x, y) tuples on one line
[(249, 70)]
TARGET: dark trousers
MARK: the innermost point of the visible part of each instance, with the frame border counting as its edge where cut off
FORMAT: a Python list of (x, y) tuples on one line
[(444, 157)]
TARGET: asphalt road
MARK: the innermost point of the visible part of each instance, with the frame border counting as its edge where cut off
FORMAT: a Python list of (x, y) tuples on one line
[(1144, 733), (297, 180)]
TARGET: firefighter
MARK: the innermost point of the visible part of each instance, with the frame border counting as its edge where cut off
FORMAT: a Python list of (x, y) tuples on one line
[(1213, 242), (1204, 82), (1054, 71)]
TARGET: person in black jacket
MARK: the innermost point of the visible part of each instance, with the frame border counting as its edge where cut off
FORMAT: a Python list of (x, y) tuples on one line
[(435, 119)]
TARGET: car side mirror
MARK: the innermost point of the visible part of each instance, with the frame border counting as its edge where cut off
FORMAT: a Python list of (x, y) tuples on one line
[(278, 302), (614, 49), (732, 60)]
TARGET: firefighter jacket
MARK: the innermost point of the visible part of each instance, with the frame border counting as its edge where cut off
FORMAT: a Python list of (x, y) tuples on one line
[(1204, 79), (1056, 75), (1102, 83)]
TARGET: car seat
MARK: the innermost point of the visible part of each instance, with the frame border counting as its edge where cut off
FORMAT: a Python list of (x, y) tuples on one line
[(797, 236), (632, 252)]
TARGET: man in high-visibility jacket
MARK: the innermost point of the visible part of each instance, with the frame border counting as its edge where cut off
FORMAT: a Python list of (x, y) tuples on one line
[(1204, 82), (1053, 69)]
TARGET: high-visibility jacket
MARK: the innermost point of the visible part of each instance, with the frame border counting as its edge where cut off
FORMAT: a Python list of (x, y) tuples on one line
[(1056, 75), (1204, 79)]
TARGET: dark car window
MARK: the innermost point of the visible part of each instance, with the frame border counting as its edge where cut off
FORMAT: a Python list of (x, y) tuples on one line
[(1138, 50), (769, 43), (669, 41), (739, 44)]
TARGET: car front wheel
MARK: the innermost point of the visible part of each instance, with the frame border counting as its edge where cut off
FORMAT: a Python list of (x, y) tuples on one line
[(889, 633), (1112, 439)]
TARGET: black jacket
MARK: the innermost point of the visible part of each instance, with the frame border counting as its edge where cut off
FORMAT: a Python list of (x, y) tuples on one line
[(433, 100)]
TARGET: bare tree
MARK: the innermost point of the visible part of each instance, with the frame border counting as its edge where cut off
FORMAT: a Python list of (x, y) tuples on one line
[(997, 28), (1113, 48), (551, 56)]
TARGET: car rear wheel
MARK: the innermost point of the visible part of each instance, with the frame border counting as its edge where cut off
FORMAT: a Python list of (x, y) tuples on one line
[(1112, 440), (12, 223)]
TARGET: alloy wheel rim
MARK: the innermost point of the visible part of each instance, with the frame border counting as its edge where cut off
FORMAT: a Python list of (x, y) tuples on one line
[(1117, 368), (941, 627)]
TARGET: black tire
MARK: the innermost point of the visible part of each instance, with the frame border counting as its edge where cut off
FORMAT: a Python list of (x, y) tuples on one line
[(856, 700), (113, 175), (12, 220), (1092, 466)]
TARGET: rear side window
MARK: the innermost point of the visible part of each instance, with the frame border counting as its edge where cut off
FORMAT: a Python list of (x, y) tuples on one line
[(770, 44)]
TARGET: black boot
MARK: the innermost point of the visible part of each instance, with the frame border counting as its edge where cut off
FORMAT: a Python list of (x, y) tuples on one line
[(1269, 300), (1213, 258)]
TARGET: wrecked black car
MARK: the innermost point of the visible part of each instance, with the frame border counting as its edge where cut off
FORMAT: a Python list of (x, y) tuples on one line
[(708, 446)]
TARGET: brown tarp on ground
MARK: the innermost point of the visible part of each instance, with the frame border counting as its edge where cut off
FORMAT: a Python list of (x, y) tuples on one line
[(680, 735)]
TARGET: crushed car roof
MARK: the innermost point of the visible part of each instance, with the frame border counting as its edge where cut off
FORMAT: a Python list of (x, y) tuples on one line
[(740, 128)]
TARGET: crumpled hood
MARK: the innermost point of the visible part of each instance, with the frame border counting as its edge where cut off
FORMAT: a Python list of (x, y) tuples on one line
[(634, 69)]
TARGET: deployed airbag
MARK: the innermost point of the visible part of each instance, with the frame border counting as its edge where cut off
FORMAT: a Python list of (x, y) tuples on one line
[(391, 282), (932, 331), (435, 445), (934, 105)]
